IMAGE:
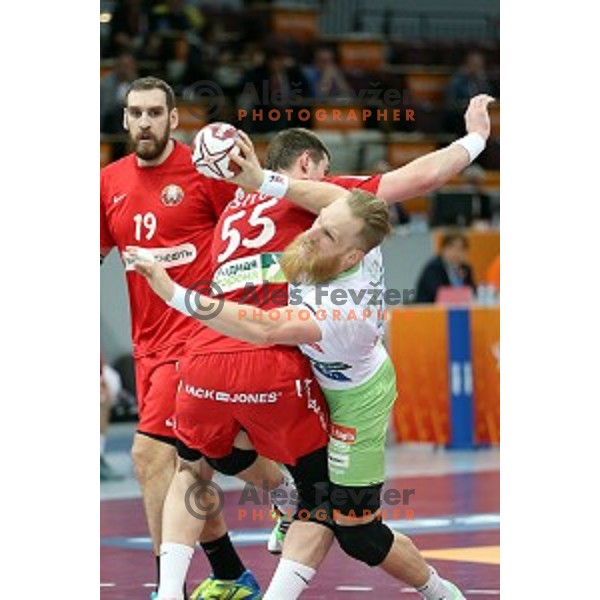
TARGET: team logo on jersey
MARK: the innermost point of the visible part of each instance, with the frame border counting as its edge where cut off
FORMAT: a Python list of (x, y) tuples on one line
[(172, 195)]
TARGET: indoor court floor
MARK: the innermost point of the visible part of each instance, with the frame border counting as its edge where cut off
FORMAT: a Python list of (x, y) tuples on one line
[(452, 515)]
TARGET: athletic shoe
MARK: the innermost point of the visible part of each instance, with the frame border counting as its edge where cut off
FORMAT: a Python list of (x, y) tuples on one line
[(244, 588), (456, 593), (275, 543)]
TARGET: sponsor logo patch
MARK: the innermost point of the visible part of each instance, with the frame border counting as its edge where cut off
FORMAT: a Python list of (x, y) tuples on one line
[(343, 434), (237, 398), (168, 257)]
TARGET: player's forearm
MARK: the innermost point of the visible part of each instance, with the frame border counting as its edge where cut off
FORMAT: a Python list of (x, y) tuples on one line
[(424, 174), (240, 321), (313, 195)]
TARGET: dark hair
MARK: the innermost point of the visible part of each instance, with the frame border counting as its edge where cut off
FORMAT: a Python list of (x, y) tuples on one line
[(452, 236), (153, 83), (288, 145)]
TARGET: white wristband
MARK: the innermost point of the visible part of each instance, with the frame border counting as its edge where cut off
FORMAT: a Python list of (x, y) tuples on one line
[(178, 300), (274, 184), (473, 143)]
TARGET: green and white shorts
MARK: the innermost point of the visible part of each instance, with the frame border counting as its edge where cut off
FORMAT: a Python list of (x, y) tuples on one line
[(359, 421)]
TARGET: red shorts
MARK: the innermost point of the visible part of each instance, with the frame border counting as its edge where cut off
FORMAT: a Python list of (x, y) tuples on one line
[(156, 381), (270, 393)]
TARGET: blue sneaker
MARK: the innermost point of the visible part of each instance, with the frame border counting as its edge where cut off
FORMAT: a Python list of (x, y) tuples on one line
[(153, 595), (244, 588)]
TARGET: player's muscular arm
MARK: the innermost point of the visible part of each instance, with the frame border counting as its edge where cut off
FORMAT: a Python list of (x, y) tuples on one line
[(256, 326), (241, 321), (431, 171)]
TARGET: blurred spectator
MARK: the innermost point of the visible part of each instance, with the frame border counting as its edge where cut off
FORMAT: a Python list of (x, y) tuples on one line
[(325, 77), (110, 386), (113, 88), (277, 83), (175, 16), (128, 27), (398, 214), (174, 35), (449, 268), (470, 80)]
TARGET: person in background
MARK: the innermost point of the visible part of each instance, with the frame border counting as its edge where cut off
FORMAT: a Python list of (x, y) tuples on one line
[(113, 89), (449, 268), (325, 77), (276, 83), (128, 27), (471, 79), (110, 386)]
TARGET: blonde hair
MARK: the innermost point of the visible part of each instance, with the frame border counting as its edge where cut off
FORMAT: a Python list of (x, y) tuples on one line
[(374, 213)]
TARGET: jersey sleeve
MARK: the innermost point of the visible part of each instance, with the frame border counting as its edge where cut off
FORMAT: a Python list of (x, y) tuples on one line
[(106, 239), (341, 326), (368, 183)]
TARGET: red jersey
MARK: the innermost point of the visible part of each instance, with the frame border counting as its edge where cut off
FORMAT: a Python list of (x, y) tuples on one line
[(249, 236), (172, 210)]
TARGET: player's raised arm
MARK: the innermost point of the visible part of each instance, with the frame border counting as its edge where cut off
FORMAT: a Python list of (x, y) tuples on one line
[(433, 170), (310, 195), (248, 323)]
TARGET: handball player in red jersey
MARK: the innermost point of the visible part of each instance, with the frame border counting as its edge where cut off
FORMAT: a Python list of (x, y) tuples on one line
[(154, 198), (267, 390)]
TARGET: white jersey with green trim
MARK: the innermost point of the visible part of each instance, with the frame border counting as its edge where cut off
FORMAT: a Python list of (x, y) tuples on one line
[(350, 312)]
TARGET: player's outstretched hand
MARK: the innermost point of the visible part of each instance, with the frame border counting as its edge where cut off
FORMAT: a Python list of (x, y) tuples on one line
[(156, 275), (477, 118), (251, 175)]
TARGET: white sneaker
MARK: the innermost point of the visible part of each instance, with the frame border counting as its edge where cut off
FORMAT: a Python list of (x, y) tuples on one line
[(456, 593), (275, 543)]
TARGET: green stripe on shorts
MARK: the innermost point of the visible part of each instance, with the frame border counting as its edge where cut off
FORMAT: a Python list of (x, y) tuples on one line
[(359, 420)]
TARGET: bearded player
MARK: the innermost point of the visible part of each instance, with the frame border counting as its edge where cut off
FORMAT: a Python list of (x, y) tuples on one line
[(155, 198), (262, 221)]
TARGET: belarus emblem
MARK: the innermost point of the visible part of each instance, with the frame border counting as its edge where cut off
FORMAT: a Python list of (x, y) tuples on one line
[(172, 195)]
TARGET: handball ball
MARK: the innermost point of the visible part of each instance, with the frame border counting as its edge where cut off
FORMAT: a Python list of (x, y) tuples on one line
[(212, 145)]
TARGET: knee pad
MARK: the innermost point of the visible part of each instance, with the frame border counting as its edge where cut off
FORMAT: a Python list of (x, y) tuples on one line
[(369, 543), (186, 453), (234, 463)]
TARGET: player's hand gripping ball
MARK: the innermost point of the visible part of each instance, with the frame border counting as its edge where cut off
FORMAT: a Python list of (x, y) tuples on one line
[(212, 146)]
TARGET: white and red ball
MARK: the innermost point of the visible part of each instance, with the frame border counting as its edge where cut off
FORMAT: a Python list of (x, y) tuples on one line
[(212, 146)]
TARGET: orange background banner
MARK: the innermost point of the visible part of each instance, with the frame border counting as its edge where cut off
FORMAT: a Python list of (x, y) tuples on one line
[(418, 346)]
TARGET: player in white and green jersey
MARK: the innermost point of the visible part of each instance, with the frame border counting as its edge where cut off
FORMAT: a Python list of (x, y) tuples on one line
[(339, 326), (352, 368)]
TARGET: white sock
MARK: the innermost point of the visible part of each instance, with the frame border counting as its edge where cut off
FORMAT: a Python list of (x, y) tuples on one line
[(290, 579), (102, 444), (285, 496), (174, 564), (435, 588)]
